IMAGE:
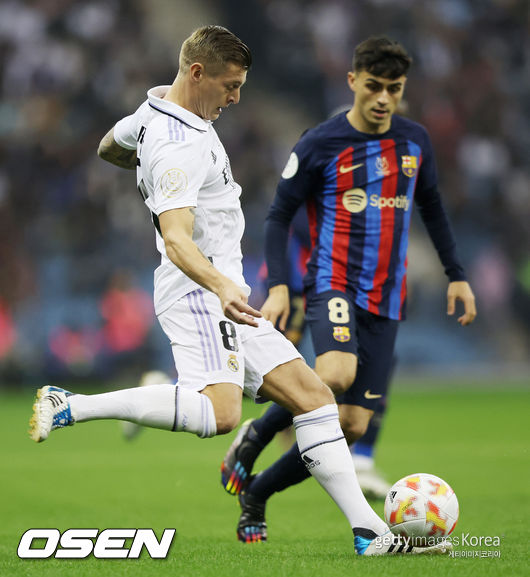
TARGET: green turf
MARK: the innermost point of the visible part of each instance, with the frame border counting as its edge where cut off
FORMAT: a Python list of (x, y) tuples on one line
[(89, 477)]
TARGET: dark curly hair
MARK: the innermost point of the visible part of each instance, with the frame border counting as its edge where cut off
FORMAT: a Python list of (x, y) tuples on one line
[(381, 56)]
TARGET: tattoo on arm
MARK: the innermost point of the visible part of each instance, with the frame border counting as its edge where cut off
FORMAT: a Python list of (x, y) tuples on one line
[(112, 152)]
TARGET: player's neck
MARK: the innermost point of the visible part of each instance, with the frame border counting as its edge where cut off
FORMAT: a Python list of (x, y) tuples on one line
[(179, 94), (356, 119)]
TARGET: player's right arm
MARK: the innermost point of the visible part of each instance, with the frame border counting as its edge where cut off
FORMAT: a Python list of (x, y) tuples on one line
[(112, 152), (119, 145), (176, 226)]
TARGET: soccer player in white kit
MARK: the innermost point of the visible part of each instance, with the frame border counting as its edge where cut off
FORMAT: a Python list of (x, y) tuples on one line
[(221, 345)]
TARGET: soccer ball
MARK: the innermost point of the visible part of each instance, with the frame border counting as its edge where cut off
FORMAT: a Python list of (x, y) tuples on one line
[(422, 507)]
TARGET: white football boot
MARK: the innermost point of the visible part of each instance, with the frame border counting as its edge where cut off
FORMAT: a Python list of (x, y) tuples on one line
[(51, 410)]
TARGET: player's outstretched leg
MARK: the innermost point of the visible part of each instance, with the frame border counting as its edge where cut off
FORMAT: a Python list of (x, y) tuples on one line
[(250, 440), (51, 410), (166, 406), (368, 543)]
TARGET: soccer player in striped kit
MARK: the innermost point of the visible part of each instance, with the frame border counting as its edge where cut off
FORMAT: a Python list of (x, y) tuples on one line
[(358, 175)]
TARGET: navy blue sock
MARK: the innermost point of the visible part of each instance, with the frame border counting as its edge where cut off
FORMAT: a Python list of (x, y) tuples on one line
[(288, 470), (276, 419), (365, 445)]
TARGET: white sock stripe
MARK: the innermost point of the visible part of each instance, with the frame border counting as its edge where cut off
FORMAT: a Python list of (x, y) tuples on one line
[(321, 443), (300, 421)]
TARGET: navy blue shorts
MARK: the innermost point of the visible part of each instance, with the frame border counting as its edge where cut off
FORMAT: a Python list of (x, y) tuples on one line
[(337, 324)]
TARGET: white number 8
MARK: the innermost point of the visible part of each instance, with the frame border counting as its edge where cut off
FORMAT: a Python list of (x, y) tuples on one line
[(338, 310)]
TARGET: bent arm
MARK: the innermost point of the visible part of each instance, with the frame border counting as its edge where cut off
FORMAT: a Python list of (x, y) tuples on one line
[(177, 230), (112, 152), (176, 226)]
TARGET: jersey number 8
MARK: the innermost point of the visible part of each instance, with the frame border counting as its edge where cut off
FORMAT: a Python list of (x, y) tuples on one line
[(338, 310), (228, 331)]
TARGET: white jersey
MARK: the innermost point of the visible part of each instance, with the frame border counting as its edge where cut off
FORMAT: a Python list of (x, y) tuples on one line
[(181, 163)]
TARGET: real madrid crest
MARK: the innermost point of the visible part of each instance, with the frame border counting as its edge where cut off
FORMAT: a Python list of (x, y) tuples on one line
[(232, 363)]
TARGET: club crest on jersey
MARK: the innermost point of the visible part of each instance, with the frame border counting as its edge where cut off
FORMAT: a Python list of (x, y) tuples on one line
[(341, 334), (409, 165), (382, 166), (232, 363), (173, 182)]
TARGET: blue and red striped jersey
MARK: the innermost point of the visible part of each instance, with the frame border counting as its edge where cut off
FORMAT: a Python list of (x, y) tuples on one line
[(359, 191)]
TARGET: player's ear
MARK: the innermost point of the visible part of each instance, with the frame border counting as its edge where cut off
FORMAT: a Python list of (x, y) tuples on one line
[(196, 71), (351, 80)]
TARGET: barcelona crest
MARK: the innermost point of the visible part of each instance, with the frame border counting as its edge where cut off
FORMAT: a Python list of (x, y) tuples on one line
[(409, 165), (341, 334)]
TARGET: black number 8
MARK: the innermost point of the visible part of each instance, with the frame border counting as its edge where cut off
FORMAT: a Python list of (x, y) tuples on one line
[(228, 330)]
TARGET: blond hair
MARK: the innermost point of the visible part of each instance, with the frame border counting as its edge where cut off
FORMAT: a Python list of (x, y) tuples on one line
[(214, 47)]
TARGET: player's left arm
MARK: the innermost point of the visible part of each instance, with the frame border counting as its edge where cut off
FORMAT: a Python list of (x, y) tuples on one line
[(432, 212), (112, 152)]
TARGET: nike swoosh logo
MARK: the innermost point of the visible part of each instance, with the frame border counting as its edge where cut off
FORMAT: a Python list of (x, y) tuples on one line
[(344, 169), (368, 395)]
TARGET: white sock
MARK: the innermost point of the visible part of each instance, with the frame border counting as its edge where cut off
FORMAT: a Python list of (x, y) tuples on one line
[(168, 407), (194, 413), (327, 457)]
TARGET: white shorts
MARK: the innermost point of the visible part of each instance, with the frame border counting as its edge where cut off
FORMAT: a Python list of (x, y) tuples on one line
[(208, 348)]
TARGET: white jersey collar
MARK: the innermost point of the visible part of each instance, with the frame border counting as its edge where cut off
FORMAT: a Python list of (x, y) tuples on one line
[(156, 101)]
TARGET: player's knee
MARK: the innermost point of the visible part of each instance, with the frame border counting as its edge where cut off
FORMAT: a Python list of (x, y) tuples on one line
[(227, 420), (311, 398), (353, 430), (338, 382)]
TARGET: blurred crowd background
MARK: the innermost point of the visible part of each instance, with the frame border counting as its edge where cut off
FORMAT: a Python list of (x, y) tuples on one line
[(77, 249)]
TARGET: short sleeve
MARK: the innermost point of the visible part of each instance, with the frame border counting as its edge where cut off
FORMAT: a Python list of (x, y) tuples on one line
[(178, 170), (126, 129)]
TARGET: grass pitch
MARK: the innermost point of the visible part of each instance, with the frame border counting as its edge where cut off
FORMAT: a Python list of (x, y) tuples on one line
[(88, 476)]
